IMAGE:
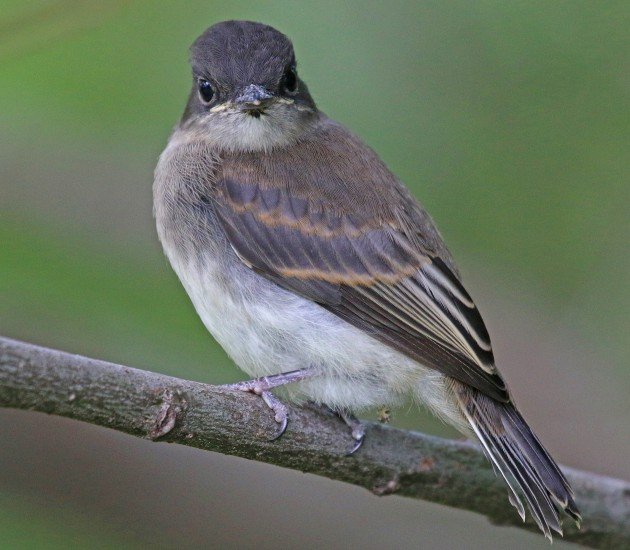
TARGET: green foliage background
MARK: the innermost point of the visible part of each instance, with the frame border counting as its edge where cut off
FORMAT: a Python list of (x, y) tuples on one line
[(509, 120)]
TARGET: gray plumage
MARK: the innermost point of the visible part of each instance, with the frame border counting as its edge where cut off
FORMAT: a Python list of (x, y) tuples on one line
[(299, 248)]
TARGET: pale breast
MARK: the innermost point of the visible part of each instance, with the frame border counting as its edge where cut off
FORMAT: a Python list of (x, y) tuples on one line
[(264, 328)]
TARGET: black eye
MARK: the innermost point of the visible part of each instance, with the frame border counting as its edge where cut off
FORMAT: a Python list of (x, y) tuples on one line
[(290, 81), (206, 91)]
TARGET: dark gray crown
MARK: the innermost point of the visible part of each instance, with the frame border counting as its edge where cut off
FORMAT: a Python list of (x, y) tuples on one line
[(242, 52)]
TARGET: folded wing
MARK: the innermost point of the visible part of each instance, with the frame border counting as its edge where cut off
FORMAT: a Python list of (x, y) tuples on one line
[(371, 269)]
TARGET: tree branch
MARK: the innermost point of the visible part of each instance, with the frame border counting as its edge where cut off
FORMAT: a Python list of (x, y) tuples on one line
[(154, 406)]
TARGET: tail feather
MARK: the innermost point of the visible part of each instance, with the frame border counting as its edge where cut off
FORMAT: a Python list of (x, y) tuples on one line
[(559, 484), (518, 480), (517, 454), (536, 495), (521, 432), (503, 472)]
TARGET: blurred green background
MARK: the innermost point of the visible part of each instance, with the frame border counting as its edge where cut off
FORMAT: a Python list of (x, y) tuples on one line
[(509, 120)]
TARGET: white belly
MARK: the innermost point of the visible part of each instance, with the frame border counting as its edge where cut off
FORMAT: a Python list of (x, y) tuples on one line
[(267, 330)]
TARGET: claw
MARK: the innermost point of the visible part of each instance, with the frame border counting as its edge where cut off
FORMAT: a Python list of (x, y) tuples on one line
[(358, 434), (284, 421), (357, 430), (356, 447)]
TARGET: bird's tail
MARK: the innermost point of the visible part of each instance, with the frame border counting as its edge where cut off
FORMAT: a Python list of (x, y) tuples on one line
[(519, 457)]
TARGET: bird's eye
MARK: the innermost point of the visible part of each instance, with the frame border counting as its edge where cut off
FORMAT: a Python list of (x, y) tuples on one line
[(206, 91), (290, 80)]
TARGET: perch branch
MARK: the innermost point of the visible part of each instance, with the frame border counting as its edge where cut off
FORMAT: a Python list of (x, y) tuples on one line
[(158, 407)]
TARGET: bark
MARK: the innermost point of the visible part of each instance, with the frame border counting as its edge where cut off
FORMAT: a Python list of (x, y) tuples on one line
[(150, 405)]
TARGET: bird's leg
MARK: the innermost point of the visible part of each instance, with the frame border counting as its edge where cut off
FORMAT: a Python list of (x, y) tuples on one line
[(262, 386)]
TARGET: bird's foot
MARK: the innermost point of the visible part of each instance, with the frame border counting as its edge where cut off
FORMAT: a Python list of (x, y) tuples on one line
[(357, 429), (262, 386)]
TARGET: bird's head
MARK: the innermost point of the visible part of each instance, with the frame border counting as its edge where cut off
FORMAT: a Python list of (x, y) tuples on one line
[(246, 92)]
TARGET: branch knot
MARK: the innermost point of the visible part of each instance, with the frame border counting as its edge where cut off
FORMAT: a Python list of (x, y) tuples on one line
[(172, 405)]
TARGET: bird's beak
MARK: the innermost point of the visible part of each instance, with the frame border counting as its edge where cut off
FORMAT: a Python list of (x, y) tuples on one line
[(253, 98)]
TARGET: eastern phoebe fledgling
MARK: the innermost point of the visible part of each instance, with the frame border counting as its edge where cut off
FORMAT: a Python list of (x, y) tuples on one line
[(312, 264)]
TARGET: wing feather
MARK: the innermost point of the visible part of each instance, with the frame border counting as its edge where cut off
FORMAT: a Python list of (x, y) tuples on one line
[(371, 269)]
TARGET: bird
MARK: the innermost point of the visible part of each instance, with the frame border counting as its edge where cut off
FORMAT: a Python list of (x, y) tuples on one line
[(317, 270)]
